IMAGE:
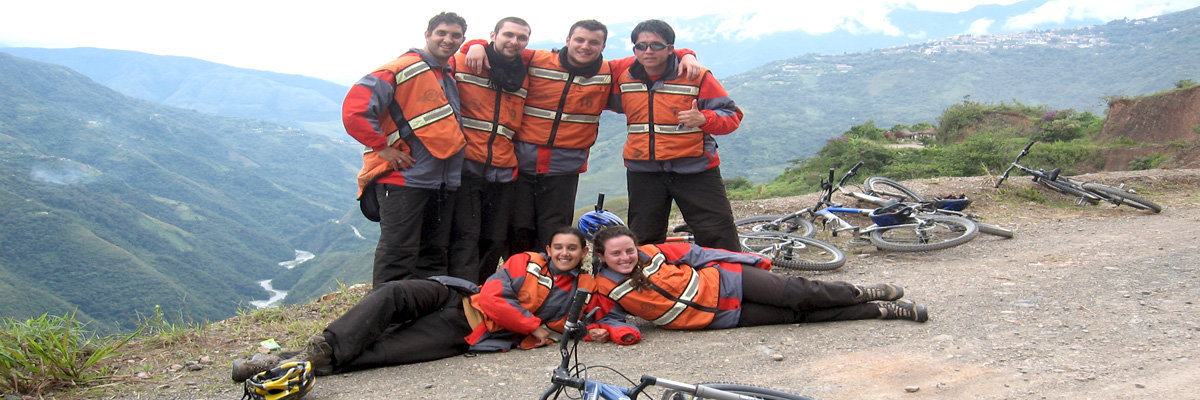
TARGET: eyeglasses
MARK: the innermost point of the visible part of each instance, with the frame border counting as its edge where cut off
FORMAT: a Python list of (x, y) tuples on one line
[(656, 46)]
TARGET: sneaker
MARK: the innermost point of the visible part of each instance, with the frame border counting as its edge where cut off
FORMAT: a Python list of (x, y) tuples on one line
[(243, 369), (318, 353), (903, 309), (879, 292)]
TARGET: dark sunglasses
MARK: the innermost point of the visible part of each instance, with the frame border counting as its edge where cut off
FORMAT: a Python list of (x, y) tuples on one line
[(642, 46)]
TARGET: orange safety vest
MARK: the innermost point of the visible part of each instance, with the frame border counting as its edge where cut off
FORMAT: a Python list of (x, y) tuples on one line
[(563, 110), (533, 294), (490, 117), (687, 300), (652, 118), (427, 111)]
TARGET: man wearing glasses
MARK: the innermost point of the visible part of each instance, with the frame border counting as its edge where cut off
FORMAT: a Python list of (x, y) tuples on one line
[(670, 153)]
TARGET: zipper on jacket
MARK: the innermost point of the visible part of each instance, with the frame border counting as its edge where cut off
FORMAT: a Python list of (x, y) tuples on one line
[(562, 101), (650, 93), (495, 129)]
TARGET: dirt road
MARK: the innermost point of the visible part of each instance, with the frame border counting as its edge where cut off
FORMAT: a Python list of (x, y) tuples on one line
[(1086, 302)]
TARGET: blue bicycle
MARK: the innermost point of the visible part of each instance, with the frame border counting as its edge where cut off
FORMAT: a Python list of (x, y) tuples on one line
[(571, 374), (900, 226)]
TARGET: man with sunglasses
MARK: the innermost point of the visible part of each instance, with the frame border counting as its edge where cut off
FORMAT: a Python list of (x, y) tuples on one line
[(670, 153), (568, 89)]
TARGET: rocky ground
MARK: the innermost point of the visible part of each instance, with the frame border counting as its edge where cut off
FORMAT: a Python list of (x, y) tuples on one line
[(1085, 302)]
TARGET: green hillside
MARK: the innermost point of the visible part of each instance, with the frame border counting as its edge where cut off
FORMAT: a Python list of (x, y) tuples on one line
[(113, 205)]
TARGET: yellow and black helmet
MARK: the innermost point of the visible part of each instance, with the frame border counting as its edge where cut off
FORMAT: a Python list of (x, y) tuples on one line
[(288, 381)]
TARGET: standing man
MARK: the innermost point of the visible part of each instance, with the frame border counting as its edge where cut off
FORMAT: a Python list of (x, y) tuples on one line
[(670, 152), (406, 114), (568, 89), (493, 101)]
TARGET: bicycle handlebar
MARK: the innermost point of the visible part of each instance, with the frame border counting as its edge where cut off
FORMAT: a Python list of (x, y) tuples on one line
[(1014, 163)]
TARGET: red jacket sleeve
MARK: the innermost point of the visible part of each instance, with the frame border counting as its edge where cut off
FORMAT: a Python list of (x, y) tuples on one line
[(721, 115), (498, 300), (364, 107)]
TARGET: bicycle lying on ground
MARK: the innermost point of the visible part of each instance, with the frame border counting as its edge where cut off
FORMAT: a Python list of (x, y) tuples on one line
[(893, 192), (1084, 192), (897, 227), (570, 373), (786, 250)]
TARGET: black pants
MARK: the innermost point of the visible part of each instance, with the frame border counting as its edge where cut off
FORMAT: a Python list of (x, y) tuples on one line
[(400, 322), (414, 233), (769, 298), (482, 215), (543, 204), (701, 199)]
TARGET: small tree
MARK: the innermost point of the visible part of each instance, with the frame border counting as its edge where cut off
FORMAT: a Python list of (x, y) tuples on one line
[(1184, 83)]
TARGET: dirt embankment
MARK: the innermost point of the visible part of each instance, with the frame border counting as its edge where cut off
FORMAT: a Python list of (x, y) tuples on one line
[(1168, 122)]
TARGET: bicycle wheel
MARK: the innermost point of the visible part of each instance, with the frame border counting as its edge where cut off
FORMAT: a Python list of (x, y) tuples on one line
[(932, 232), (791, 251), (760, 223), (1068, 189), (745, 390), (1119, 196), (881, 186)]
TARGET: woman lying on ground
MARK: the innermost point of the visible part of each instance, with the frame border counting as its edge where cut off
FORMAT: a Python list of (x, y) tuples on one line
[(685, 286), (417, 320)]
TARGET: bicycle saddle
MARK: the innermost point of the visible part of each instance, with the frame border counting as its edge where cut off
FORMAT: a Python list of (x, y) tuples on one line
[(1053, 174)]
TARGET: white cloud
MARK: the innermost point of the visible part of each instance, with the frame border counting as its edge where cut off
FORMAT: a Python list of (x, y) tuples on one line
[(980, 26), (1059, 11)]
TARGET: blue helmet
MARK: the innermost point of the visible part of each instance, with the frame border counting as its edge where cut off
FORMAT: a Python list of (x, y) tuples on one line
[(592, 221)]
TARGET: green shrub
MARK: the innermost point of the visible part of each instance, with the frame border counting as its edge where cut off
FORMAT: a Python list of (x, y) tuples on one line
[(1148, 162), (48, 352)]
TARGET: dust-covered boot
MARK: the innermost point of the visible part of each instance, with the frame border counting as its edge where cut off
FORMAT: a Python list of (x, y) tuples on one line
[(318, 353), (879, 292), (903, 309), (243, 369)]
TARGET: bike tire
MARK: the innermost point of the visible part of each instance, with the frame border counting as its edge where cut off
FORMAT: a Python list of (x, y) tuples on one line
[(881, 186), (796, 225), (1068, 189), (754, 391), (1119, 196), (791, 251), (944, 232)]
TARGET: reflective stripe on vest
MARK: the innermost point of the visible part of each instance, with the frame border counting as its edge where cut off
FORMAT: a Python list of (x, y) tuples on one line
[(663, 129), (562, 76), (549, 114), (487, 126), (536, 269), (483, 82), (669, 88), (681, 303)]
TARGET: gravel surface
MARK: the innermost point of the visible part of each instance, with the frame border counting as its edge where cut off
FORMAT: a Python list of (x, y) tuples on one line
[(1085, 302)]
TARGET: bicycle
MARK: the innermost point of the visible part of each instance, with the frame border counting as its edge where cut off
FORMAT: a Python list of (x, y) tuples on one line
[(896, 227), (892, 192), (570, 373), (786, 250), (1084, 192)]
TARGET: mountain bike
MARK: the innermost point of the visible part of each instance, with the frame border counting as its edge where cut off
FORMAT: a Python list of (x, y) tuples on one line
[(786, 250), (1084, 192), (571, 374), (883, 192), (896, 227)]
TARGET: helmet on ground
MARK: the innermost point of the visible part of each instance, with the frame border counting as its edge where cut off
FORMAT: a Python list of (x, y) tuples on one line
[(891, 215), (288, 381), (592, 221)]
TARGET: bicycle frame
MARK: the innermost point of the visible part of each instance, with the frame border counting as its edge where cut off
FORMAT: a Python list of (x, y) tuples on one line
[(574, 330), (1052, 180)]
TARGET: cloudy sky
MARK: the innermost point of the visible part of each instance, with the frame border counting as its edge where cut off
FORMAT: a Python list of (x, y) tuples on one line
[(340, 41)]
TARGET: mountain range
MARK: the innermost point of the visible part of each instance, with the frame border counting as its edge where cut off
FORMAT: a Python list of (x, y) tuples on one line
[(122, 191)]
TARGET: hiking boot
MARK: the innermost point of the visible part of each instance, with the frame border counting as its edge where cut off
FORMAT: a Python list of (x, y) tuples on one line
[(879, 292), (903, 309), (243, 369), (318, 353)]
